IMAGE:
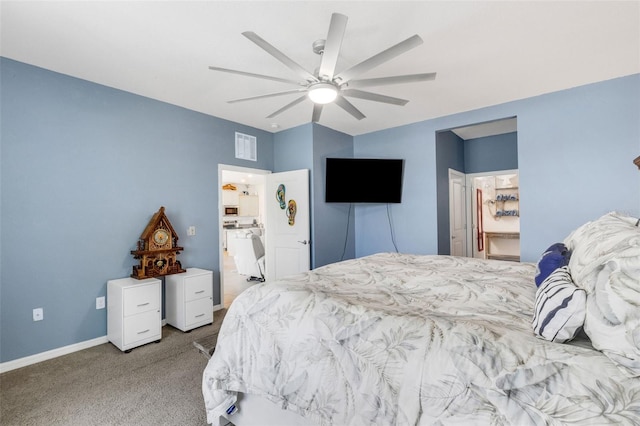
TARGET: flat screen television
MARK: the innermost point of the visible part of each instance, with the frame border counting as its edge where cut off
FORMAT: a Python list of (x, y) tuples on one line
[(363, 180)]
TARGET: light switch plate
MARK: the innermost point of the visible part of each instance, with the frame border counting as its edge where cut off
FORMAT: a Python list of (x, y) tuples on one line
[(100, 302)]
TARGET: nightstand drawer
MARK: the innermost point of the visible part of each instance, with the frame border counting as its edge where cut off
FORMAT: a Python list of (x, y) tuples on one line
[(189, 299), (141, 299), (134, 312), (197, 287), (147, 325), (199, 311)]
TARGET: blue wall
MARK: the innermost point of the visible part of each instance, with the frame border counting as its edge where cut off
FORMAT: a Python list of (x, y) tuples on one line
[(293, 149), (575, 156), (450, 154), (333, 233), (409, 225), (499, 152), (84, 167)]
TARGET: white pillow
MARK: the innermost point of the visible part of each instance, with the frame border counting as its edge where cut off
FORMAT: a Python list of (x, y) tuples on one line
[(595, 243), (560, 308), (605, 262), (613, 311)]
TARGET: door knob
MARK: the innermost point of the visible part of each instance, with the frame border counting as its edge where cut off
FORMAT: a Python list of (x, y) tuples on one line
[(305, 242)]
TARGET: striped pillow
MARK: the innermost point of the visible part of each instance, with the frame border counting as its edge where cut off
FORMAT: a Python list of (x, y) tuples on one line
[(560, 307)]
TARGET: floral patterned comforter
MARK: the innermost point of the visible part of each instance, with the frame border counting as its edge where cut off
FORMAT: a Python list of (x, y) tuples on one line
[(393, 339)]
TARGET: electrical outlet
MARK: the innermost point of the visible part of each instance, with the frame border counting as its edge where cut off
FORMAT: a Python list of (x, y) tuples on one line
[(100, 302), (38, 314), (191, 230)]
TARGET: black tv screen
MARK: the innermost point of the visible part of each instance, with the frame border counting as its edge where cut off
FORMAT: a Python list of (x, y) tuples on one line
[(363, 180)]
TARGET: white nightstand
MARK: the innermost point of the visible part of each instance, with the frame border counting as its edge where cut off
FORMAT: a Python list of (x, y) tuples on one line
[(134, 314), (189, 299)]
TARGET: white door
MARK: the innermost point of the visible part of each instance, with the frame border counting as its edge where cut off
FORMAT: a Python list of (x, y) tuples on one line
[(457, 214), (287, 239)]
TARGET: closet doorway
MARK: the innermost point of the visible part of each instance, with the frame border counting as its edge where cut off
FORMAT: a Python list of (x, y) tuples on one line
[(486, 211), (494, 215)]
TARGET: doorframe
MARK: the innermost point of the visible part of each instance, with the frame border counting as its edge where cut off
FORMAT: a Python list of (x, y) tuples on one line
[(221, 168)]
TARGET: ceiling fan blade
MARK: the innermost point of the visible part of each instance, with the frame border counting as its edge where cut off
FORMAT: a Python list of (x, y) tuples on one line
[(398, 79), (279, 55), (317, 110), (332, 46), (380, 58), (374, 97), (250, 74), (348, 106), (287, 106), (269, 95)]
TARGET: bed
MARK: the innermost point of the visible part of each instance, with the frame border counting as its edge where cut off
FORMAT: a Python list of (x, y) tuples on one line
[(400, 339)]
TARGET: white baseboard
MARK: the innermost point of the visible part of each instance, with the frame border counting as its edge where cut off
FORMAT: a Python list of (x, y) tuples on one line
[(54, 353)]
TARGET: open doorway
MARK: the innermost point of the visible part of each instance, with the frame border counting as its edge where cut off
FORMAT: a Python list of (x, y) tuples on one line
[(252, 204), (481, 150), (494, 215), (241, 212)]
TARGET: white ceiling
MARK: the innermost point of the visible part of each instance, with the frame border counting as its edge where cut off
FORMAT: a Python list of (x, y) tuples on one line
[(484, 52), (481, 130)]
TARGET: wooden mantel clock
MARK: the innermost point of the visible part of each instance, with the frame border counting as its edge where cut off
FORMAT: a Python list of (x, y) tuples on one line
[(157, 249)]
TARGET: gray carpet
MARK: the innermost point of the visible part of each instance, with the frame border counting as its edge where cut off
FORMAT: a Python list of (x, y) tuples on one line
[(155, 384)]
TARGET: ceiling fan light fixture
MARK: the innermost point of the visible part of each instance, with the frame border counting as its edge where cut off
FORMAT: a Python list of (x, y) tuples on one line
[(322, 93), (324, 86)]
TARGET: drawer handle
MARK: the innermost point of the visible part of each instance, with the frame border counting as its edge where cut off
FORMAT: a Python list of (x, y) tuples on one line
[(198, 316), (201, 291), (145, 331), (143, 304)]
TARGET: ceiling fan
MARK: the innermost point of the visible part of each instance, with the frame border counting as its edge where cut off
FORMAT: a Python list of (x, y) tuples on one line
[(326, 85)]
